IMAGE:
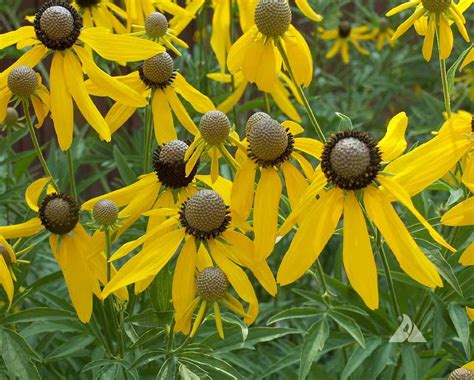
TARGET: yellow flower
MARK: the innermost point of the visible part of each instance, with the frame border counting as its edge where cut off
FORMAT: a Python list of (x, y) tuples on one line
[(469, 58), (439, 16), (270, 147), (256, 51), (24, 83), (157, 78), (7, 258), (351, 163), (70, 243), (383, 34), (156, 28), (58, 30), (344, 34), (101, 13), (214, 136), (280, 94), (202, 220)]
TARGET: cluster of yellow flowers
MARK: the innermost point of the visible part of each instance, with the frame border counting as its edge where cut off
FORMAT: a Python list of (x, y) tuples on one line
[(215, 226)]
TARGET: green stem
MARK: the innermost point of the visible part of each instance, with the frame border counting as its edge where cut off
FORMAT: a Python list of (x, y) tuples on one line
[(267, 103), (148, 139), (107, 251), (39, 153), (72, 178), (444, 79), (230, 160), (307, 106), (388, 275), (319, 269), (169, 346)]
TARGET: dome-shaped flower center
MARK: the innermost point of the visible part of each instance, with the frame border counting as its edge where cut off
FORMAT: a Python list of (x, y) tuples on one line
[(158, 71), (6, 256), (59, 213), (87, 3), (22, 81), (170, 167), (350, 160), (461, 374), (344, 29), (269, 143), (212, 284), (214, 127), (105, 212), (205, 215), (436, 6), (156, 25), (272, 17), (255, 118), (11, 117), (57, 25)]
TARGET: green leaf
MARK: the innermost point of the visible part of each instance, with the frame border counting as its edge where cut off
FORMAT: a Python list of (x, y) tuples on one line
[(186, 373), (38, 314), (18, 355), (161, 290), (349, 325), (345, 123), (293, 313), (461, 324), (167, 370), (410, 362), (212, 363), (314, 342), (358, 356), (445, 270), (452, 70), (123, 167), (70, 347)]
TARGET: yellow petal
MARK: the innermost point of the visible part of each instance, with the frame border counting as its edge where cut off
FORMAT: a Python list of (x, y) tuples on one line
[(445, 38), (162, 118), (62, 111), (233, 99), (429, 38), (26, 229), (114, 88), (238, 50), (470, 314), (6, 280), (184, 285), (118, 116), (180, 111), (119, 48), (281, 98), (359, 262), (265, 214), (246, 13), (468, 172), (200, 102), (295, 183), (30, 58), (410, 257), (220, 37), (10, 38), (241, 198), (309, 146), (306, 9), (467, 258), (299, 56), (191, 164), (402, 7), (259, 66), (393, 143), (146, 263), (217, 315), (460, 215), (203, 259), (404, 26), (293, 128), (33, 192), (9, 249), (310, 239), (75, 83)]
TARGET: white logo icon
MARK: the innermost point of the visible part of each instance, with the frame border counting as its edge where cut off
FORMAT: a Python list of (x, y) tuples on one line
[(407, 332)]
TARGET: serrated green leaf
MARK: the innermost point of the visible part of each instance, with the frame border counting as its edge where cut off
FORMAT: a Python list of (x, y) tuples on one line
[(17, 355), (349, 325), (461, 324), (313, 343)]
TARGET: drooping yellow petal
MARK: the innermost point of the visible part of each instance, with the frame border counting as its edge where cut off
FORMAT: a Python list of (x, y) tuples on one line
[(26, 229), (402, 7), (259, 66), (115, 89), (309, 146), (233, 99), (62, 111), (469, 58), (393, 143), (429, 38), (398, 192), (118, 116), (220, 37), (246, 13), (162, 118), (446, 40), (334, 49), (467, 258), (6, 280), (217, 316), (10, 38), (265, 214), (295, 183), (299, 56), (184, 286), (180, 111), (359, 262), (194, 158), (314, 232), (293, 127), (241, 198), (281, 98), (9, 249), (75, 83), (306, 9), (410, 257), (200, 102), (404, 26), (345, 51), (470, 314), (468, 172), (33, 192), (146, 263), (119, 48), (460, 215), (203, 259), (238, 50), (238, 279)]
